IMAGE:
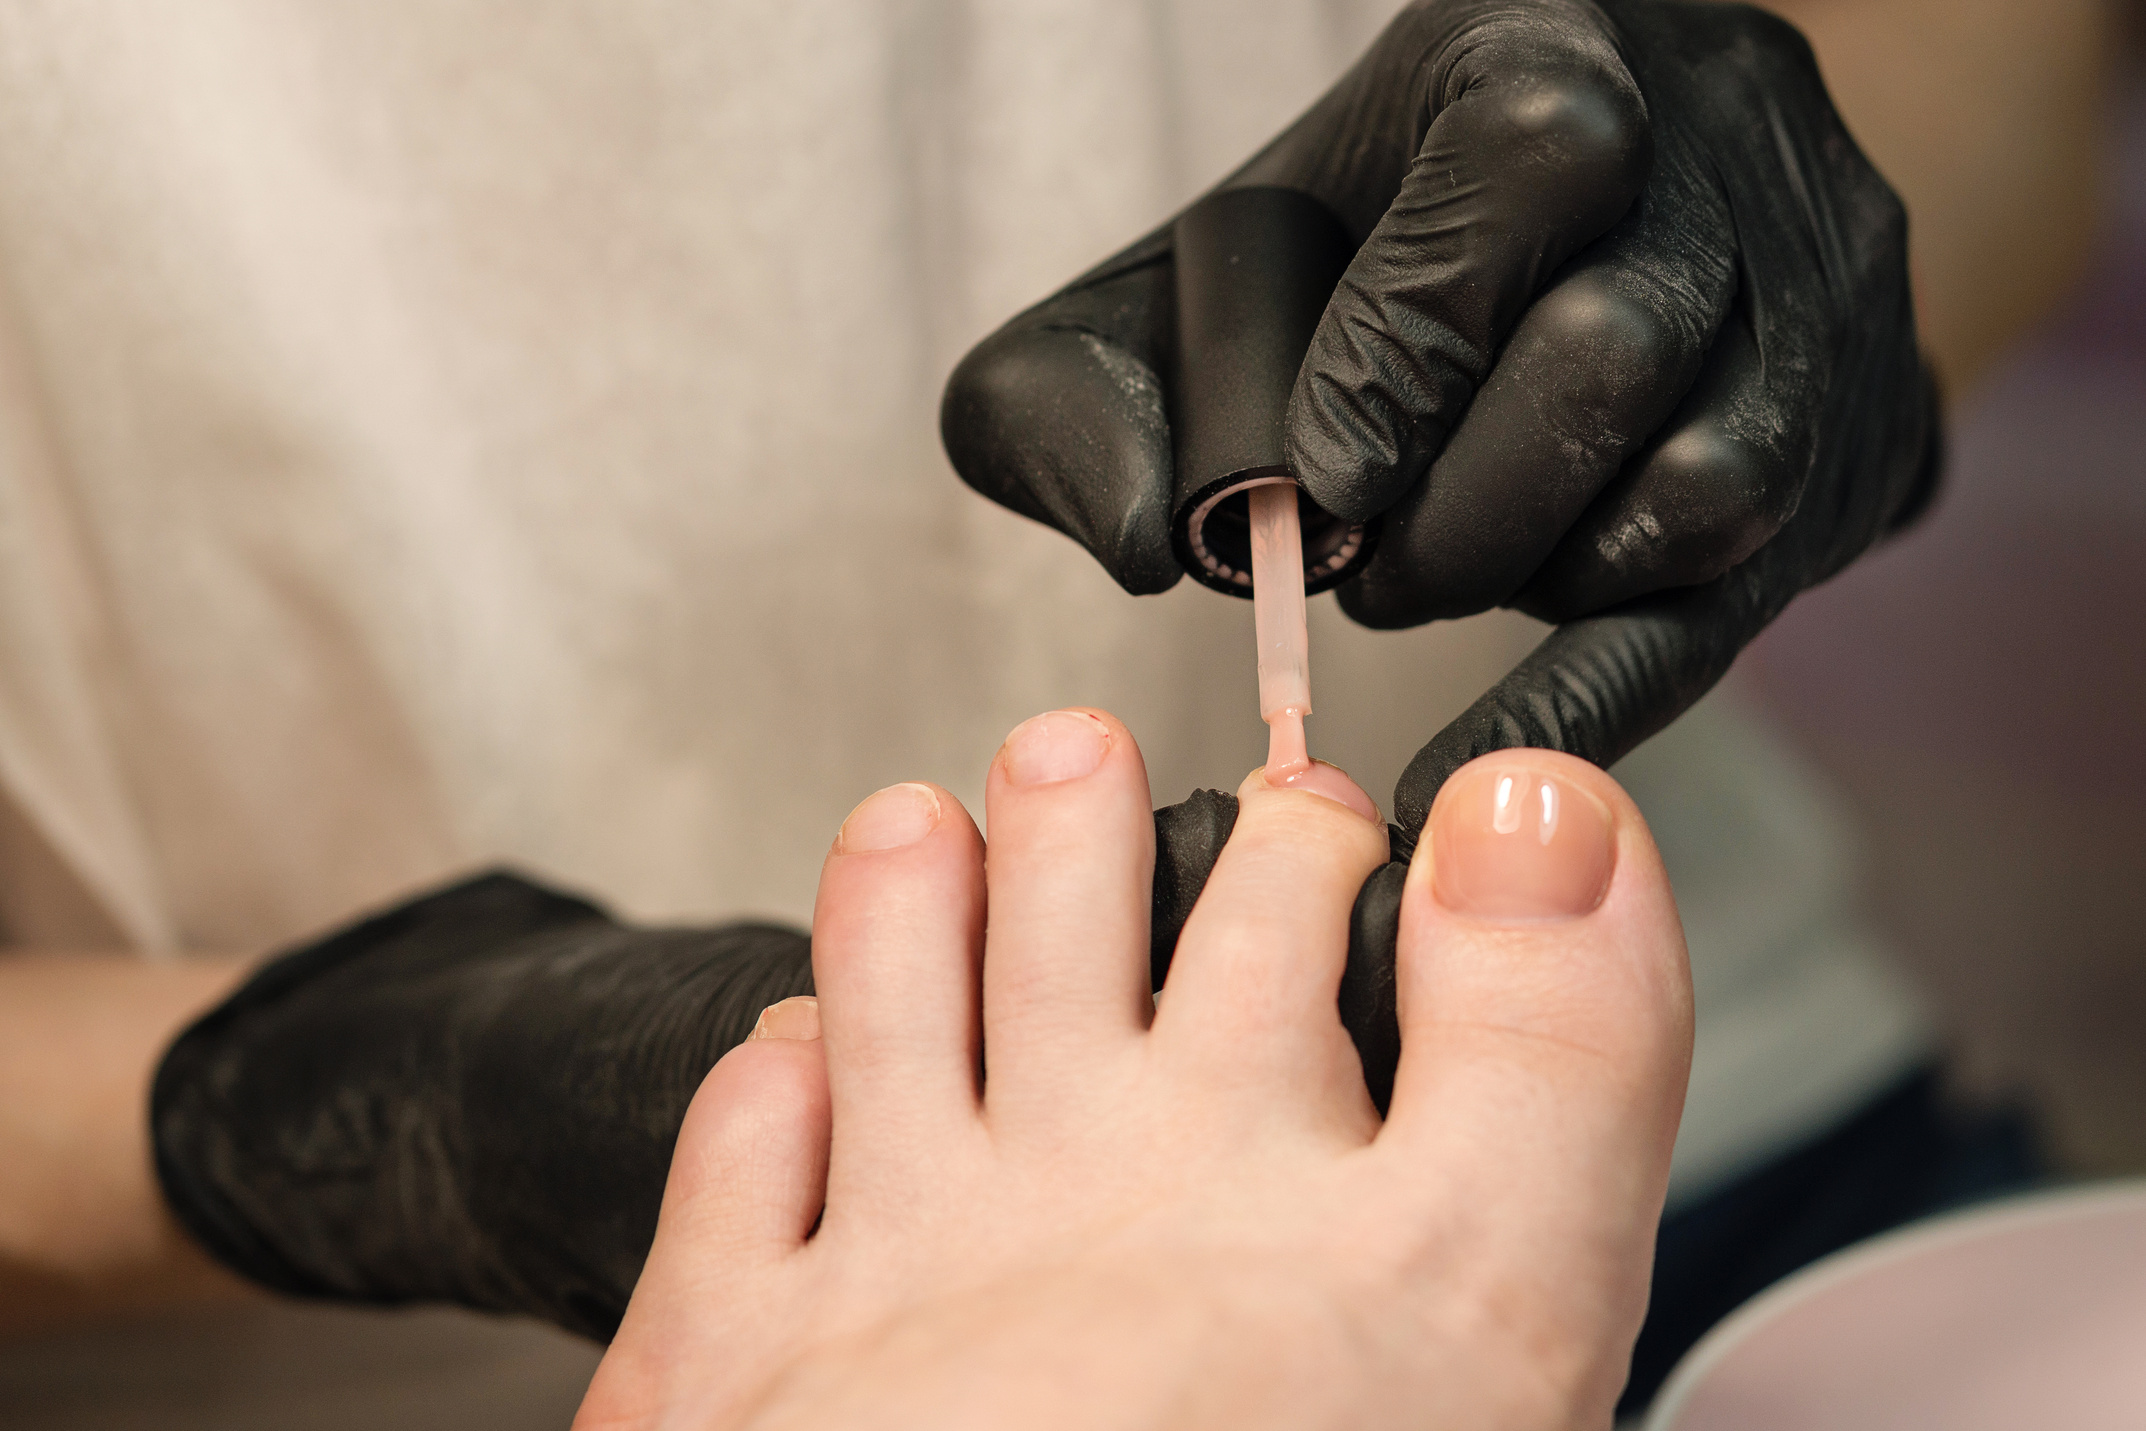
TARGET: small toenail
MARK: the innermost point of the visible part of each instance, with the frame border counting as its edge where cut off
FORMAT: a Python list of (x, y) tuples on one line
[(896, 816), (797, 1018), (1055, 746)]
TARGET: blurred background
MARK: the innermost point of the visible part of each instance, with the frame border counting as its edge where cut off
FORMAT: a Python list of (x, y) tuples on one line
[(1977, 692)]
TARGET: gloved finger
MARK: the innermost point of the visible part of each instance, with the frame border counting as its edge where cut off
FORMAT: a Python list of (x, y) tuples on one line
[(1592, 371), (1926, 468), (1189, 837), (1537, 144), (1060, 415), (1599, 686), (1369, 1008), (1712, 490)]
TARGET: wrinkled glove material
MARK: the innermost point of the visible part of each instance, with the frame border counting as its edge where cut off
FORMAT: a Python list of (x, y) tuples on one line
[(471, 1098)]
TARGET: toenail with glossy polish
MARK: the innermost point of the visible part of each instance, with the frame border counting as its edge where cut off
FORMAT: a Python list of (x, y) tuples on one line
[(1509, 842), (1055, 746), (797, 1018), (1331, 781), (896, 816)]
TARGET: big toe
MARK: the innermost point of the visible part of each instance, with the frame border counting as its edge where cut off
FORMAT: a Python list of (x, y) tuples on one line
[(1543, 990)]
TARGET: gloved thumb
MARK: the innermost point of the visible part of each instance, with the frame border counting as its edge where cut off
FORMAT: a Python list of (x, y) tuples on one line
[(1060, 415)]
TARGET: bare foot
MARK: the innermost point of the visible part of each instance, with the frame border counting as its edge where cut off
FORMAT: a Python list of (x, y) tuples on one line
[(1190, 1214)]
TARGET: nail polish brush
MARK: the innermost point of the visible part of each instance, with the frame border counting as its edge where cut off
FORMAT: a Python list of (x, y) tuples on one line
[(1255, 268), (1278, 622)]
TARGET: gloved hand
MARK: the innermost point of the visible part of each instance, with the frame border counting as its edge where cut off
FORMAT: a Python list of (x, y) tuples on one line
[(471, 1099), (1628, 344)]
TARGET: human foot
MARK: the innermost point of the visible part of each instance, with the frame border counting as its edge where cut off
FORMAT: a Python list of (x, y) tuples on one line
[(1190, 1214)]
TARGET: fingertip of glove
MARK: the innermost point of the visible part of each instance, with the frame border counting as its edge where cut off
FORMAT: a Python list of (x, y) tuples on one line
[(1367, 1000), (1144, 571), (1189, 837)]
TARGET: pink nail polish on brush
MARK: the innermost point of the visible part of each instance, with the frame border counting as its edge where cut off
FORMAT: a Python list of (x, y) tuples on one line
[(1285, 650)]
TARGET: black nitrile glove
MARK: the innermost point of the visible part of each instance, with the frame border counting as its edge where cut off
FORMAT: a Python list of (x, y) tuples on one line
[(470, 1099), (1627, 344)]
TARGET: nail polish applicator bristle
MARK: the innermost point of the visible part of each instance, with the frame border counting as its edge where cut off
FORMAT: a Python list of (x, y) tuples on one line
[(1278, 620)]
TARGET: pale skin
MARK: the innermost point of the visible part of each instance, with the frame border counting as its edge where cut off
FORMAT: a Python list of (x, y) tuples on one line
[(1189, 1215), (83, 1227), (1988, 117), (1985, 114)]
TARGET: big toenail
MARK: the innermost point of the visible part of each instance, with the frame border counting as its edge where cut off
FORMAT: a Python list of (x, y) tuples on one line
[(1511, 842)]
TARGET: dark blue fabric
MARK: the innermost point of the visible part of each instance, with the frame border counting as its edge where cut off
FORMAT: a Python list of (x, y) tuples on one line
[(1906, 1154)]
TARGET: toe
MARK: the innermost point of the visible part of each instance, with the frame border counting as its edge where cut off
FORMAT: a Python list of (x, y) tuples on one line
[(1071, 877), (749, 1173), (1545, 1012), (897, 941), (748, 1179), (1252, 988)]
